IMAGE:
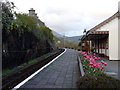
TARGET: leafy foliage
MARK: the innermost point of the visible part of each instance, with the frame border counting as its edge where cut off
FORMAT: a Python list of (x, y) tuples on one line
[(47, 33), (24, 23), (91, 63), (7, 15), (99, 80), (23, 37)]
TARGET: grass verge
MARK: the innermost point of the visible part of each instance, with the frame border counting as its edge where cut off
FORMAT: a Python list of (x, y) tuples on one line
[(8, 71)]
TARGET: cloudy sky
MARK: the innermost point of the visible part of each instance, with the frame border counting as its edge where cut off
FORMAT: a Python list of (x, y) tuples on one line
[(70, 17)]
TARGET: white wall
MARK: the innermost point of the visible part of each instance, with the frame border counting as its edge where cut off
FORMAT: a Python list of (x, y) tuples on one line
[(119, 38), (112, 27), (104, 28), (119, 32), (113, 40)]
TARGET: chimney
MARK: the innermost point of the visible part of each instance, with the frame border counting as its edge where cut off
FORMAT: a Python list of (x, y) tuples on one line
[(32, 12)]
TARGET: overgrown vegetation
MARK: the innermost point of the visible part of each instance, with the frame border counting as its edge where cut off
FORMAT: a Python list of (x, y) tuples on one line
[(23, 37), (8, 71), (99, 80)]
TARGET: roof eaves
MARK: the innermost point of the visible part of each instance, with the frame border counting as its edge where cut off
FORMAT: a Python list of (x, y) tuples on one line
[(117, 14)]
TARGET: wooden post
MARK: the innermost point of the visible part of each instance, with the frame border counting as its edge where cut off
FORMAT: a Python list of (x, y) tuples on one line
[(98, 47), (89, 45), (95, 45), (105, 47), (101, 46)]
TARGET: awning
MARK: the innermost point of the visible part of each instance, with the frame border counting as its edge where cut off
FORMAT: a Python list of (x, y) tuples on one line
[(98, 35)]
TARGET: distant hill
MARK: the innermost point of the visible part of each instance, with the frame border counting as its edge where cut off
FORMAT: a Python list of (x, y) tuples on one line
[(74, 38), (71, 39), (57, 34)]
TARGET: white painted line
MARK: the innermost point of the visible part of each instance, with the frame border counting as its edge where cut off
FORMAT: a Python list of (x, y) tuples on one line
[(111, 73), (23, 82)]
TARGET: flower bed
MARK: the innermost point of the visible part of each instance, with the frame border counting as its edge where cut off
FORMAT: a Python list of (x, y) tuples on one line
[(95, 77), (91, 63)]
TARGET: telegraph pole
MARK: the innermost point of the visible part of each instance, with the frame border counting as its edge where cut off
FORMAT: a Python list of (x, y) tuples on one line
[(64, 41)]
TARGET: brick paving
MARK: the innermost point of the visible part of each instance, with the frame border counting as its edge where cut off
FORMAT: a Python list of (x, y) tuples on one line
[(62, 73)]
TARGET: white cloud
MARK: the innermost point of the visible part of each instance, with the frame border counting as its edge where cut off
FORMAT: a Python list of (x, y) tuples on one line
[(70, 17)]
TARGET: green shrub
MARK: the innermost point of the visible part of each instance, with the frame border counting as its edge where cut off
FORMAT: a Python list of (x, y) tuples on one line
[(100, 80)]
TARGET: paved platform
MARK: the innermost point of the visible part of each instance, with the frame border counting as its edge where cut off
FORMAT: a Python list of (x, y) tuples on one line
[(62, 73), (113, 68)]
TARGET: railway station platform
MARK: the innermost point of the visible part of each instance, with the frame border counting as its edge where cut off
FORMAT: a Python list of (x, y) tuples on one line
[(62, 73)]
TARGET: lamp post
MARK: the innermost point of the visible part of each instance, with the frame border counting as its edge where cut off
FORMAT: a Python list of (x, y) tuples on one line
[(64, 41), (84, 32), (85, 42)]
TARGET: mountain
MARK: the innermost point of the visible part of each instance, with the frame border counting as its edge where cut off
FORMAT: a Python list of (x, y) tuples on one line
[(74, 38), (57, 34), (71, 39)]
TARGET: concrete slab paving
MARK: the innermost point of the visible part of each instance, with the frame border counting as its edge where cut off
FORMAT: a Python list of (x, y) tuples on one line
[(62, 73), (113, 68)]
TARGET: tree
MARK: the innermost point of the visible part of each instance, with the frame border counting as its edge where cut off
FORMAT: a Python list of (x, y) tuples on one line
[(7, 18), (48, 33), (7, 15), (23, 38)]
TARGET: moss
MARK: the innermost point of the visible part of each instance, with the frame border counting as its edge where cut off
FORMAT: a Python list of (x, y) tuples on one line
[(99, 80), (7, 71), (29, 62)]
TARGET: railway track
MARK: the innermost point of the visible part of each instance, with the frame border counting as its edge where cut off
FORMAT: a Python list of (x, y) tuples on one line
[(10, 81)]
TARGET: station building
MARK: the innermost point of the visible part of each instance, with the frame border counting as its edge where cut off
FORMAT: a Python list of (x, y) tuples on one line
[(104, 39)]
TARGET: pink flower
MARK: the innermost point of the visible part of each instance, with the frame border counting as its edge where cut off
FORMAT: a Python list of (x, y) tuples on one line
[(94, 70), (105, 64), (85, 55), (97, 58), (94, 54), (102, 62), (90, 63), (90, 56), (92, 60), (86, 59), (98, 65), (102, 68), (95, 65)]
